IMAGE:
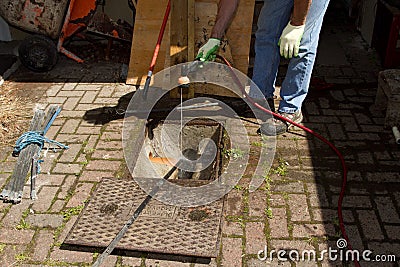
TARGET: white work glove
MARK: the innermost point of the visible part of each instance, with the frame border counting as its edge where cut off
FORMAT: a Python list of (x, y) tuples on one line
[(209, 50), (289, 42)]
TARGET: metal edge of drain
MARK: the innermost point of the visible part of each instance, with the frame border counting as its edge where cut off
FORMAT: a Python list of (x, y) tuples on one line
[(71, 244)]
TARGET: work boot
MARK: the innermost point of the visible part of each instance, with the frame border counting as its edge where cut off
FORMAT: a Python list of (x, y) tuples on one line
[(275, 126)]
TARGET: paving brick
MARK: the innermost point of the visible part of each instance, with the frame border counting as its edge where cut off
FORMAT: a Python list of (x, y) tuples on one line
[(370, 224), (309, 230), (259, 263), (68, 168), (82, 192), (114, 126), (278, 223), (64, 93), (55, 100), (165, 263), (10, 252), (202, 263), (349, 123), (57, 206), (3, 178), (336, 132), (69, 86), (71, 256), (45, 220), (106, 165), (67, 186), (67, 228), (107, 91), (232, 252), (106, 100), (298, 207), (331, 215), (88, 130), (111, 260), (352, 201), (383, 177), (52, 132), (109, 145), (14, 214), (364, 136), (45, 198), (386, 209), (255, 237), (296, 187), (44, 241), (111, 136), (108, 154), (131, 261), (88, 87), (13, 236), (393, 231), (70, 126), (232, 228), (291, 244), (72, 138), (88, 97), (257, 203), (365, 158), (86, 107), (385, 249), (70, 103), (234, 203), (94, 176), (72, 114), (91, 143), (53, 90), (277, 200), (70, 154)]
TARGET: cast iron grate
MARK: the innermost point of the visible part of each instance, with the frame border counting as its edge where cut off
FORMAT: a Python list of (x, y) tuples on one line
[(160, 228)]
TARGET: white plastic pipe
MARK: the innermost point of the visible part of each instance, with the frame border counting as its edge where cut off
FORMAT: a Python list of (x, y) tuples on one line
[(396, 134)]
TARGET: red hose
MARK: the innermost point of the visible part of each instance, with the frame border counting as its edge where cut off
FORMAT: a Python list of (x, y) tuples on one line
[(320, 137)]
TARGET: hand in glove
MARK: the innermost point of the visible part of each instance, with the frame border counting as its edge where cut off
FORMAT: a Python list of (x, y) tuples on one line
[(290, 40), (209, 50)]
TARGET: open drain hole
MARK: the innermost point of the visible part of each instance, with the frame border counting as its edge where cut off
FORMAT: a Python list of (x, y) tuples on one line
[(192, 135)]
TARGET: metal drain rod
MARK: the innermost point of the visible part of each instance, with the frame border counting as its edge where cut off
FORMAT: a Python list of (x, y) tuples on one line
[(135, 215)]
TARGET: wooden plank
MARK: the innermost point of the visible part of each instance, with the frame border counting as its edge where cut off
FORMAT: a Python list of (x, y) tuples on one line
[(236, 46), (149, 16), (191, 26)]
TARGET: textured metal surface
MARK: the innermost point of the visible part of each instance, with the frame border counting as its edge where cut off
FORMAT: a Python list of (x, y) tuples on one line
[(159, 228), (44, 17)]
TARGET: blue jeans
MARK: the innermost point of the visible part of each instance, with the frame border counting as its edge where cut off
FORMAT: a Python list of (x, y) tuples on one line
[(274, 16)]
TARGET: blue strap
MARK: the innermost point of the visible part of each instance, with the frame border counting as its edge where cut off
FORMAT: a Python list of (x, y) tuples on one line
[(34, 137)]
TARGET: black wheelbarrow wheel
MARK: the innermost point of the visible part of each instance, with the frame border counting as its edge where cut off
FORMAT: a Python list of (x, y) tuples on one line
[(38, 53)]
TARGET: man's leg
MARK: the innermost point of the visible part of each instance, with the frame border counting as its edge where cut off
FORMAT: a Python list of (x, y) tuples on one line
[(295, 85), (273, 18)]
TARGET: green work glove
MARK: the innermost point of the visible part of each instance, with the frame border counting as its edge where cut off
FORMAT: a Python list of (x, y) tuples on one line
[(290, 40), (209, 50)]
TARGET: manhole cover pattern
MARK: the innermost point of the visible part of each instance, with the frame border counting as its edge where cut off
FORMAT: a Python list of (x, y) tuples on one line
[(159, 228)]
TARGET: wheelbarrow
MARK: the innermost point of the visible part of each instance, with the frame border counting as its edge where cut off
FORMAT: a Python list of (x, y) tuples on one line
[(52, 22)]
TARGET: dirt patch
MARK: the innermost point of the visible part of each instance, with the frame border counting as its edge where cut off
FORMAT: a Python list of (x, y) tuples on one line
[(16, 111)]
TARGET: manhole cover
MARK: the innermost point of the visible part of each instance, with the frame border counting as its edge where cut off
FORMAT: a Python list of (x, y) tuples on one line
[(160, 228)]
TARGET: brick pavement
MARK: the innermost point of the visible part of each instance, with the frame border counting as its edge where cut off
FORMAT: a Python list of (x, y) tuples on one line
[(295, 208)]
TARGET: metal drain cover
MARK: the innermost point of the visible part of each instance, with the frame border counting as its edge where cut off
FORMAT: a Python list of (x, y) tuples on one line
[(160, 228)]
